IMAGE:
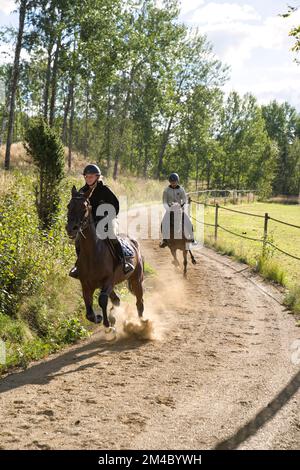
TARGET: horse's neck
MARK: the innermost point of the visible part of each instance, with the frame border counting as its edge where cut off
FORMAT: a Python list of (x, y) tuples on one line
[(88, 239)]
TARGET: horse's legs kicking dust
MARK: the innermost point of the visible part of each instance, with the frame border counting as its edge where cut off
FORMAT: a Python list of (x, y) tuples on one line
[(184, 262), (136, 287), (192, 257), (103, 301), (175, 260), (88, 300), (115, 299)]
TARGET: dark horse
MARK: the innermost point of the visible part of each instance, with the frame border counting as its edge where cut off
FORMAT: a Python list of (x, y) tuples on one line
[(97, 265), (177, 240)]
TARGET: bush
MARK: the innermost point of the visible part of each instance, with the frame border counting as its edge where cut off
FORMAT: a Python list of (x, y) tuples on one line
[(47, 151)]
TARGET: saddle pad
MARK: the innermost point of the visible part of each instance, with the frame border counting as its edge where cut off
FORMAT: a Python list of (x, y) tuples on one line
[(126, 247)]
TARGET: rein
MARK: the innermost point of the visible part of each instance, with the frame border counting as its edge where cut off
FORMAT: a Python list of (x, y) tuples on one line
[(85, 221)]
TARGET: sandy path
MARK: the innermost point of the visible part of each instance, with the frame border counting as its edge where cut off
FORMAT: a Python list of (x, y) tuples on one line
[(223, 354)]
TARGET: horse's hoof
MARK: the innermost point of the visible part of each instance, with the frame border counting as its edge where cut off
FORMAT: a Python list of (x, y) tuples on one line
[(110, 333), (112, 319), (194, 261), (95, 318)]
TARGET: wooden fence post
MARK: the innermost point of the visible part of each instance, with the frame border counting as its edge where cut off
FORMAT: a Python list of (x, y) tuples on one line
[(216, 222), (265, 233)]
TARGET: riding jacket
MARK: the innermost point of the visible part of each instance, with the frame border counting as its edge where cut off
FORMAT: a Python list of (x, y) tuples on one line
[(102, 194), (174, 195)]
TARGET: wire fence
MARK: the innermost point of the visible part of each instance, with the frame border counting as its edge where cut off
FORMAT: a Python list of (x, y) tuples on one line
[(263, 240), (233, 196)]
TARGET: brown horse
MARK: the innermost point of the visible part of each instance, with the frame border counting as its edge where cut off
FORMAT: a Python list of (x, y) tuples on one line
[(97, 265), (177, 240)]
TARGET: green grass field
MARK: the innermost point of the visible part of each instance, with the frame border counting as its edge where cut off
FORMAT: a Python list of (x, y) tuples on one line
[(285, 237)]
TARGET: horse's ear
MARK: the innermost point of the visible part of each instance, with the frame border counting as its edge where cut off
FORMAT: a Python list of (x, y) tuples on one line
[(74, 191)]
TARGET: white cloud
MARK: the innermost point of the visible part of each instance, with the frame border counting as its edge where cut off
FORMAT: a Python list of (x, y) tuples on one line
[(219, 14), (7, 6), (187, 6), (258, 48)]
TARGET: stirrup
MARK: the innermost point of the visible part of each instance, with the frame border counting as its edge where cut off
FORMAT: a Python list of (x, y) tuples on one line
[(163, 244)]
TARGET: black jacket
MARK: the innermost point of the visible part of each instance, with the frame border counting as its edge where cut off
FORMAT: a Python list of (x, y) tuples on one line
[(101, 194)]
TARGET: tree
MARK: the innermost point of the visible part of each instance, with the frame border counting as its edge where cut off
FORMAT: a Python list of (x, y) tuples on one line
[(243, 137), (24, 4), (46, 149), (282, 124)]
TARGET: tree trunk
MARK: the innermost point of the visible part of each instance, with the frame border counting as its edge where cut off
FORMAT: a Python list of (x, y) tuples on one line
[(107, 133), (164, 144), (145, 162), (54, 83), (123, 125), (86, 129), (197, 171), (14, 84), (47, 83), (4, 117), (167, 133), (71, 122), (66, 113)]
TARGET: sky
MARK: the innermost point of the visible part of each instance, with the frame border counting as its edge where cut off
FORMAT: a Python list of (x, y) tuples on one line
[(249, 36)]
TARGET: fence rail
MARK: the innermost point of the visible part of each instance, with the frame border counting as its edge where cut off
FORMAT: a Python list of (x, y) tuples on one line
[(264, 239)]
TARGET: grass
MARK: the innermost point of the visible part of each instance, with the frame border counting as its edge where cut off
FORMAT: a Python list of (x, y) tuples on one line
[(285, 237), (274, 266), (292, 299)]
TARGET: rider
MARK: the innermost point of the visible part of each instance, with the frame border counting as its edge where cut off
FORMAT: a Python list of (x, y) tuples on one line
[(100, 194), (174, 194)]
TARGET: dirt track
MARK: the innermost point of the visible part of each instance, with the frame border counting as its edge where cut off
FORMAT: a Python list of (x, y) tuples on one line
[(222, 355)]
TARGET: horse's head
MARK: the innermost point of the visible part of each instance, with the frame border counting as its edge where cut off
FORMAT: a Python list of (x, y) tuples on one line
[(78, 213)]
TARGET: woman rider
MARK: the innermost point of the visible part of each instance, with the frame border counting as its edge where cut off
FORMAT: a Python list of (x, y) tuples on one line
[(174, 194), (100, 194)]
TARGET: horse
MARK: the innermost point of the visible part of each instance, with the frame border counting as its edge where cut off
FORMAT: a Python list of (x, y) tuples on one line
[(177, 239), (97, 265)]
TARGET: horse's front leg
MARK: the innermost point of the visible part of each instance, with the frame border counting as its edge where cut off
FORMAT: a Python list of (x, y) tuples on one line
[(175, 260), (192, 257), (88, 300), (184, 262), (103, 301), (115, 299)]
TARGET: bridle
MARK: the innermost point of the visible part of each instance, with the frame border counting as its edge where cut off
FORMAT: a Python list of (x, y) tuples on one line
[(85, 222)]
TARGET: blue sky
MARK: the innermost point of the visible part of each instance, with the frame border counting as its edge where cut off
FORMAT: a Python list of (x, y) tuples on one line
[(247, 35)]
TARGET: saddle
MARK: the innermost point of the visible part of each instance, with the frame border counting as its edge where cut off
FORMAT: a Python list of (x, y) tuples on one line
[(124, 245), (126, 248)]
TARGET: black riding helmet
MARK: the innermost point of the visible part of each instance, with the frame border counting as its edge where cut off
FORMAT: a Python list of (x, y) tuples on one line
[(92, 170), (173, 177)]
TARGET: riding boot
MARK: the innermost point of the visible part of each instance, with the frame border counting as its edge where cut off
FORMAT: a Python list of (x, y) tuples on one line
[(127, 267)]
